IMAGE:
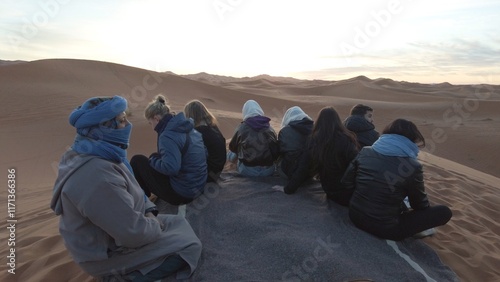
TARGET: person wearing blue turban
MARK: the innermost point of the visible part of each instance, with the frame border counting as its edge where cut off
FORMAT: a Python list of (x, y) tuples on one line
[(110, 228), (102, 128)]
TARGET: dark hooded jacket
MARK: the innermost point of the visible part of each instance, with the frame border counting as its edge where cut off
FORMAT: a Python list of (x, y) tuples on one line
[(295, 157), (365, 130), (255, 142), (380, 184)]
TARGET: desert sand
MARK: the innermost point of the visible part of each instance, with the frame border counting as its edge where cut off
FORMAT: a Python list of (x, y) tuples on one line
[(461, 124)]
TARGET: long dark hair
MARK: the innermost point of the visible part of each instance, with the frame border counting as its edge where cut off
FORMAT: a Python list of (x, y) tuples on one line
[(327, 128), (407, 129)]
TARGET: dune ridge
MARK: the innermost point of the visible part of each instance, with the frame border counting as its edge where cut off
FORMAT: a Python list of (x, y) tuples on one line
[(462, 171)]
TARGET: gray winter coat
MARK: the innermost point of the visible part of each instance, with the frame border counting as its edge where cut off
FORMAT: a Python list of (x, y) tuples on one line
[(103, 223)]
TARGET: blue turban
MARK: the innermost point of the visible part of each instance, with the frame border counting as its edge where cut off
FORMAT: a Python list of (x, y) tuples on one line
[(96, 111), (94, 136)]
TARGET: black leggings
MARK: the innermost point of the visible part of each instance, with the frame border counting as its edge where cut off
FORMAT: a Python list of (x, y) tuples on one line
[(341, 197), (152, 181), (410, 223)]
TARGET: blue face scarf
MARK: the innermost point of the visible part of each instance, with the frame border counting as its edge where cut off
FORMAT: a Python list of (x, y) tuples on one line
[(95, 138)]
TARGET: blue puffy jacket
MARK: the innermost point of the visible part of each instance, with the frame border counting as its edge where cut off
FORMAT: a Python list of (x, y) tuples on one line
[(188, 171)]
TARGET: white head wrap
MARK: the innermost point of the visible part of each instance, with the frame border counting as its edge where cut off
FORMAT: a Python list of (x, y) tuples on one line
[(294, 113), (251, 109)]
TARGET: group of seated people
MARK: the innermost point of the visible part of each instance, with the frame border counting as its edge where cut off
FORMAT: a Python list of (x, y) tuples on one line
[(97, 187)]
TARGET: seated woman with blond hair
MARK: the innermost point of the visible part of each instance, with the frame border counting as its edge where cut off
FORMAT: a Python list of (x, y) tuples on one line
[(177, 172), (206, 124)]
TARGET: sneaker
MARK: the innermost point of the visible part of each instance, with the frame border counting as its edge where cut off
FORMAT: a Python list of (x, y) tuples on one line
[(181, 210), (407, 202), (425, 233)]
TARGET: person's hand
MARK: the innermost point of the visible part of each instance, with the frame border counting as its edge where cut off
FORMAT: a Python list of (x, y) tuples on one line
[(278, 188), (150, 214), (232, 157), (154, 155)]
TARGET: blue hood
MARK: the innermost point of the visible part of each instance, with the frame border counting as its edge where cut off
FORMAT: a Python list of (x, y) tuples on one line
[(395, 145), (177, 123)]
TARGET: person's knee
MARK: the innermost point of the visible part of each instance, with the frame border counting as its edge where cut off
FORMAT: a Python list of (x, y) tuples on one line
[(445, 213), (138, 160)]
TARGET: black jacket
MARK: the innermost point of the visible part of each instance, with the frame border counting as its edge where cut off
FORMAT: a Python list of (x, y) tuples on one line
[(216, 147), (295, 158), (365, 131), (337, 158), (380, 184), (255, 147)]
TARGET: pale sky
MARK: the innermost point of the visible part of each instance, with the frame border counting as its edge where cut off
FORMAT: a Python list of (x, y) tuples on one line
[(457, 41)]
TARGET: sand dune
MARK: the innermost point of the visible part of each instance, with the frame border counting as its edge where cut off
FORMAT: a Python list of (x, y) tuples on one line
[(461, 123), (471, 239)]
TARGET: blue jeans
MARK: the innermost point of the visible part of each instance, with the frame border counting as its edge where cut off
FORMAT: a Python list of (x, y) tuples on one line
[(255, 170), (250, 170)]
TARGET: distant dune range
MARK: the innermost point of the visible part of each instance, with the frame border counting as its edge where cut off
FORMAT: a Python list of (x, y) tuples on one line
[(460, 122)]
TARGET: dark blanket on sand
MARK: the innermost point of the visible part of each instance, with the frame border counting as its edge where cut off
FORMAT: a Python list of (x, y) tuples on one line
[(251, 231)]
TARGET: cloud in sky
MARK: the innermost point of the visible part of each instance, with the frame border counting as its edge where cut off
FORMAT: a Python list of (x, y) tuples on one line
[(468, 61), (455, 41)]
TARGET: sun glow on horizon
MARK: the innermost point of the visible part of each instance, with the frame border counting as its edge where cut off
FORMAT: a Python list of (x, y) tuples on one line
[(429, 41)]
